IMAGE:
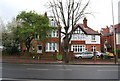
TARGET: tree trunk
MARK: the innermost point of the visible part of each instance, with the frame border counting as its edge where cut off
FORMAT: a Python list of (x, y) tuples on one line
[(66, 49)]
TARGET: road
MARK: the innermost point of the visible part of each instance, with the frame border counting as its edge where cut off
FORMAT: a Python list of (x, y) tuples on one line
[(56, 71)]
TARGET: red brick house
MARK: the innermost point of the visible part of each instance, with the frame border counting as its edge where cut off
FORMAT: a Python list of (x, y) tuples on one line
[(107, 38), (84, 39), (117, 33), (51, 44)]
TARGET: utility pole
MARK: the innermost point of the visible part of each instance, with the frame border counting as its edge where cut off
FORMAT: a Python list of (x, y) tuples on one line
[(114, 32)]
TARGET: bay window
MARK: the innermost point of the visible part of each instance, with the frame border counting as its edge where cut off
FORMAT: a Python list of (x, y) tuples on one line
[(78, 48)]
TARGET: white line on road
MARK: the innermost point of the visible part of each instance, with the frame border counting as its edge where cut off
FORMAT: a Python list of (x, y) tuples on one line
[(65, 69), (97, 66), (48, 69), (37, 69), (107, 70)]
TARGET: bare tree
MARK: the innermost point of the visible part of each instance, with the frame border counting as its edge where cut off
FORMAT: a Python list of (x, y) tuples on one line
[(67, 13)]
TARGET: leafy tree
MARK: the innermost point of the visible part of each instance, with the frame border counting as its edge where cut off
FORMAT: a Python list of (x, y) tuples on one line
[(9, 40), (11, 46), (67, 15), (30, 24)]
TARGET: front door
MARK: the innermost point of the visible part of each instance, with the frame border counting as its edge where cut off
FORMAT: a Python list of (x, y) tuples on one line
[(39, 48)]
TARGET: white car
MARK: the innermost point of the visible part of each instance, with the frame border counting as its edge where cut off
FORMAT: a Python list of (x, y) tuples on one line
[(85, 55), (98, 54)]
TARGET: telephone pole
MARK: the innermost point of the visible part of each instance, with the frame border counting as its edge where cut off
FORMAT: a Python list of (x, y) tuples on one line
[(114, 32)]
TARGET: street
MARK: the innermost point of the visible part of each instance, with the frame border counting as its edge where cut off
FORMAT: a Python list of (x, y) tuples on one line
[(58, 71)]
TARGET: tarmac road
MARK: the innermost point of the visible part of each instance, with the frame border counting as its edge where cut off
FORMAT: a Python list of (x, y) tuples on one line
[(58, 71)]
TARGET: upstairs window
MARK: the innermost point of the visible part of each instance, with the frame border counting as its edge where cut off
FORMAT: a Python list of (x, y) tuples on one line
[(78, 34), (37, 37), (52, 23), (53, 34), (77, 31), (93, 37)]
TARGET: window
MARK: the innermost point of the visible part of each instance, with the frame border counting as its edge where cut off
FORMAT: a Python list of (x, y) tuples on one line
[(53, 34), (37, 37), (52, 23), (93, 37), (78, 30), (105, 41), (78, 37), (78, 48), (51, 47), (78, 34), (93, 48), (39, 48)]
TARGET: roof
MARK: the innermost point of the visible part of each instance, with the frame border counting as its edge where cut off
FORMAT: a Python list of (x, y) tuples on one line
[(87, 29), (105, 33), (117, 26)]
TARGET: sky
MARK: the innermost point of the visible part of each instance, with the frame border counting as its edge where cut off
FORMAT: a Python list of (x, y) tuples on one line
[(102, 11)]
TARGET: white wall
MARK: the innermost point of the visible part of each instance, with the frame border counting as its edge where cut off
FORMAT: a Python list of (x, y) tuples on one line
[(88, 39)]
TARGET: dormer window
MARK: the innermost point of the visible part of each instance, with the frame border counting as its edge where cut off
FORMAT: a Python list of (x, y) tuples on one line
[(52, 23)]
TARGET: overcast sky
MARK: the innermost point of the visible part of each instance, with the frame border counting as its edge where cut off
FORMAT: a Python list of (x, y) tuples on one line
[(101, 9)]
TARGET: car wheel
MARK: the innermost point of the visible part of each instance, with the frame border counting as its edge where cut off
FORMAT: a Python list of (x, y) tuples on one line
[(80, 57), (97, 56)]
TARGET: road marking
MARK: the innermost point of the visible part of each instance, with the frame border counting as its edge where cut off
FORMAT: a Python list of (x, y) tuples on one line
[(98, 66), (48, 69), (26, 64), (107, 70), (65, 69), (37, 69)]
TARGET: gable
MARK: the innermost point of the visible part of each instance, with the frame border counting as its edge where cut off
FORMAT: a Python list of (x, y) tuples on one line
[(79, 31), (86, 30)]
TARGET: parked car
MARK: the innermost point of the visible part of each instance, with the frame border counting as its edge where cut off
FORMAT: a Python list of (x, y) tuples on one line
[(109, 55), (85, 55), (98, 54)]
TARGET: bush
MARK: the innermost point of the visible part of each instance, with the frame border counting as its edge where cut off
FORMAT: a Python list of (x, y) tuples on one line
[(11, 50), (119, 53), (59, 57)]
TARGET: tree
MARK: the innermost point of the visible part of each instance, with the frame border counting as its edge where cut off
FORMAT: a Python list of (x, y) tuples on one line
[(67, 15), (11, 46), (30, 24)]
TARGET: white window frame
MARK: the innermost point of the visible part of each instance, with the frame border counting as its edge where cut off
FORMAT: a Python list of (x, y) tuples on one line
[(52, 23), (78, 48), (78, 34), (39, 51), (51, 47), (54, 33), (93, 48), (93, 37), (78, 37)]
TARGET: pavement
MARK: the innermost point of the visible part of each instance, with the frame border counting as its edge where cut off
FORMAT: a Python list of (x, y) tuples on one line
[(30, 60)]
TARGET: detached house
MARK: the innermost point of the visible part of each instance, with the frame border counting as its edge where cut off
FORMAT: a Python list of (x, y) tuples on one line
[(84, 39), (107, 38), (51, 44), (117, 33)]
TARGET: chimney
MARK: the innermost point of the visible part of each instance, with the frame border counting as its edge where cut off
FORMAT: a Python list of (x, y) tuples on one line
[(45, 14), (85, 22)]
